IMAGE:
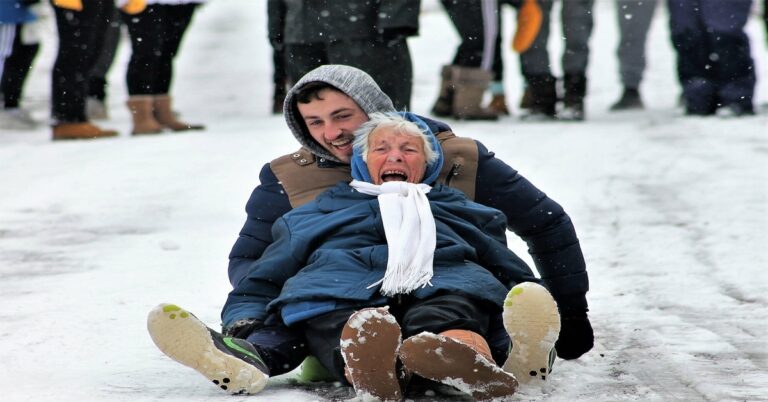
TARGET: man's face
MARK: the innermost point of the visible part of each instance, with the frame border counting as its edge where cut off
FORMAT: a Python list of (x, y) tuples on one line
[(395, 157), (332, 121)]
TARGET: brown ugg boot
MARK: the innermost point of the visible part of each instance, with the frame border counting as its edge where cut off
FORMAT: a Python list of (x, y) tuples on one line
[(444, 105), (369, 344), (498, 105), (459, 358), (165, 116), (470, 84), (80, 131), (144, 122)]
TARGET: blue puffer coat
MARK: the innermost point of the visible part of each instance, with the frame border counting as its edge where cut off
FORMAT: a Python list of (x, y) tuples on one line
[(13, 12), (331, 249)]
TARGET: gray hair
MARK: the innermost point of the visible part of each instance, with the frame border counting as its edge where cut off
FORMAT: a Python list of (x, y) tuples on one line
[(397, 123)]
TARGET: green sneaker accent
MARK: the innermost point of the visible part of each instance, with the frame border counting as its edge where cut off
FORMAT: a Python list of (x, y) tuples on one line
[(171, 307), (230, 344), (517, 290)]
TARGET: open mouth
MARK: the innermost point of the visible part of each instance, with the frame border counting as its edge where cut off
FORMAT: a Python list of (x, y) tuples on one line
[(394, 175), (342, 142)]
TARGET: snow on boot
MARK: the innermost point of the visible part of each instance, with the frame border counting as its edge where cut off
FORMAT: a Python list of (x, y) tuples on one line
[(369, 344), (533, 323), (444, 105), (232, 364), (470, 84), (630, 100), (458, 358), (165, 115)]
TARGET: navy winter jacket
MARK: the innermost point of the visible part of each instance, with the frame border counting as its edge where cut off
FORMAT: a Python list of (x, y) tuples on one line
[(537, 219), (331, 249)]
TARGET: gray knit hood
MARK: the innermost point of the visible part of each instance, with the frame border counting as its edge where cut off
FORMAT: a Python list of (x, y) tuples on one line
[(354, 82)]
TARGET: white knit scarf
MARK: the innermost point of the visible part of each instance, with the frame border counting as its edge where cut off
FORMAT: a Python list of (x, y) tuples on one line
[(410, 230)]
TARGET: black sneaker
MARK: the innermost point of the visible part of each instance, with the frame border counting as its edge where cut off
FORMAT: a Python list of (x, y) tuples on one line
[(232, 364), (630, 100)]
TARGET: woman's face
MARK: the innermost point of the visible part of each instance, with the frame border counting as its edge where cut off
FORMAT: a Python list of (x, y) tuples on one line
[(393, 156)]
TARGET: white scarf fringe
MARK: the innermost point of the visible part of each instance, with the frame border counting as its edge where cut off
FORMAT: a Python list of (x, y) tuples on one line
[(411, 235)]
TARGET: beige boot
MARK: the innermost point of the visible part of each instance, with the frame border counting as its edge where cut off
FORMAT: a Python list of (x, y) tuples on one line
[(444, 104), (470, 85), (143, 118), (80, 131), (166, 117)]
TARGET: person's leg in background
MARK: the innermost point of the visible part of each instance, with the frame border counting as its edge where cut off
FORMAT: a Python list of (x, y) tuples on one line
[(634, 18), (540, 97), (96, 103), (689, 40), (465, 81), (733, 70), (176, 20), (577, 21), (81, 35)]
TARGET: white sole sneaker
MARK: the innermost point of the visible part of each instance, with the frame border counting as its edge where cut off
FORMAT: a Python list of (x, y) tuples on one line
[(184, 338), (533, 323)]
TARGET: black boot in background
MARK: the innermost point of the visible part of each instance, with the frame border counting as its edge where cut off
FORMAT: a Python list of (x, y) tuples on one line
[(630, 100), (540, 97), (575, 86)]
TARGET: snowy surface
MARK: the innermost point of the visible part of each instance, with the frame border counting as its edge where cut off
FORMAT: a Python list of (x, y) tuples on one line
[(672, 213)]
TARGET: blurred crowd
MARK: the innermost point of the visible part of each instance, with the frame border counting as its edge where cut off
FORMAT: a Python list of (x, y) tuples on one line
[(714, 64)]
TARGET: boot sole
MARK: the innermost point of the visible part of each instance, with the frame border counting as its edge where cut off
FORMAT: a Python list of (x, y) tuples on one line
[(185, 339), (450, 362), (369, 343), (533, 323)]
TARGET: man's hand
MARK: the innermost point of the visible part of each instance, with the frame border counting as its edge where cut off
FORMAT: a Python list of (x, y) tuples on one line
[(76, 5), (576, 336), (242, 328)]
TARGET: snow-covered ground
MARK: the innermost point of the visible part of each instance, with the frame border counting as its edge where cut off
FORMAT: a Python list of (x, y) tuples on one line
[(672, 213)]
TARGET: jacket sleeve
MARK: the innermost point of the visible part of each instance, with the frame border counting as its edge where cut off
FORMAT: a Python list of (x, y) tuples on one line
[(541, 223), (264, 278), (268, 202), (398, 18)]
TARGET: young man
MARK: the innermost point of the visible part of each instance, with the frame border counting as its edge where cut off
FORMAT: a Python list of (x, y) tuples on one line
[(323, 110), (343, 270)]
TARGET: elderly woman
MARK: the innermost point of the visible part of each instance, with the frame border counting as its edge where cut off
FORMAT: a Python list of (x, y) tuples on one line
[(374, 261)]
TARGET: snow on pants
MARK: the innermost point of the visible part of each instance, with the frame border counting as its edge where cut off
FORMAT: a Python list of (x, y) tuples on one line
[(81, 37), (714, 64), (387, 62), (576, 16), (156, 34), (437, 314), (634, 17), (97, 82)]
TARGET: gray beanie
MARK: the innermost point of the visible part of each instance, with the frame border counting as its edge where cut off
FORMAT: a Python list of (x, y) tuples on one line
[(354, 82)]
